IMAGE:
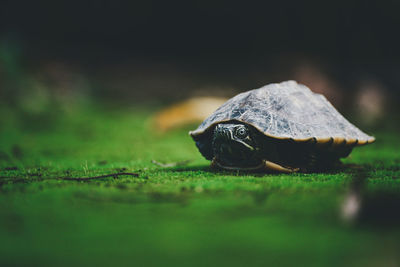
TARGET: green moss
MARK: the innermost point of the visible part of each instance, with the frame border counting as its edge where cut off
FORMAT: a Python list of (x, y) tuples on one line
[(183, 215)]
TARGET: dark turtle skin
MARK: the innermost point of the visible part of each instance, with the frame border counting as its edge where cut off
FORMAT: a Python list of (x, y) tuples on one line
[(282, 127), (236, 145)]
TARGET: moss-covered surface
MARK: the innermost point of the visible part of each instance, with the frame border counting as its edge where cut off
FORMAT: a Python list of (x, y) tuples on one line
[(183, 215)]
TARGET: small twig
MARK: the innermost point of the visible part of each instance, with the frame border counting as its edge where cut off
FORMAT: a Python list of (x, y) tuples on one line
[(13, 168), (172, 164), (115, 175), (100, 176)]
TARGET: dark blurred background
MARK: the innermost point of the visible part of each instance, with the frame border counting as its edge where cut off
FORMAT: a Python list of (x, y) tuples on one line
[(163, 51)]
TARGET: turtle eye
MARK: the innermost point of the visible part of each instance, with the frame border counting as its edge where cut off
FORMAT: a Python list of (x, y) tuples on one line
[(241, 132)]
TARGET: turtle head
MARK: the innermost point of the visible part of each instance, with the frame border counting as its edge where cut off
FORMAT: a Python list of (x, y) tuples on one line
[(235, 144)]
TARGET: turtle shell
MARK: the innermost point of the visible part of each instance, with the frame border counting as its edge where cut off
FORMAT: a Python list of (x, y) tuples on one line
[(287, 110)]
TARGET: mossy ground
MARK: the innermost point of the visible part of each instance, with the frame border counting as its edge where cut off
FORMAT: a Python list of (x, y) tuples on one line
[(183, 215)]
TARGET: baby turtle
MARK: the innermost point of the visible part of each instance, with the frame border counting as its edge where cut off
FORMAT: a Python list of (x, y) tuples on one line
[(282, 127)]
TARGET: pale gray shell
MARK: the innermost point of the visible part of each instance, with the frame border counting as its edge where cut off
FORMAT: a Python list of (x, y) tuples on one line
[(287, 110)]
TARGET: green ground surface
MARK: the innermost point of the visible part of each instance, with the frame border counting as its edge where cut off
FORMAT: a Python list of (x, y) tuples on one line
[(184, 215)]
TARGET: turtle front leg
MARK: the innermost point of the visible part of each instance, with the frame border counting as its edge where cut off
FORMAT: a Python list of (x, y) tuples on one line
[(269, 165)]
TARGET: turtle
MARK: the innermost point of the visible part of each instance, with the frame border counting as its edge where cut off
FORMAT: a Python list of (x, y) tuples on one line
[(283, 127)]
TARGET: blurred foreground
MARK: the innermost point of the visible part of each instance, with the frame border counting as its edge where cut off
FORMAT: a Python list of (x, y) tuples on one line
[(183, 215)]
